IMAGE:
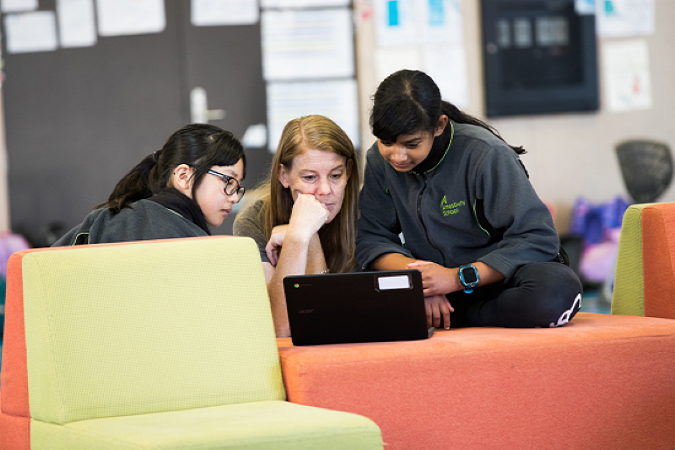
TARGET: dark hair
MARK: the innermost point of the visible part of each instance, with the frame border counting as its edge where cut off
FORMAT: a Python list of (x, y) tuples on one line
[(200, 146), (409, 101)]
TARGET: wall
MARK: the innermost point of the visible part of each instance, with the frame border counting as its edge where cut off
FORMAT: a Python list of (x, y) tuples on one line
[(4, 198), (569, 155)]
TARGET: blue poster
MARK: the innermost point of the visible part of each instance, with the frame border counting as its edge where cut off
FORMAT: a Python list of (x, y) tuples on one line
[(393, 13)]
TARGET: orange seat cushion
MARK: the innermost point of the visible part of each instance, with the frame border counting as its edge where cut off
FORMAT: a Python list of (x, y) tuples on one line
[(600, 381)]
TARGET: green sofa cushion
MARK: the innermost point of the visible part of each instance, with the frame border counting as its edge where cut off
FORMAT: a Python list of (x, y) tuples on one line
[(274, 425)]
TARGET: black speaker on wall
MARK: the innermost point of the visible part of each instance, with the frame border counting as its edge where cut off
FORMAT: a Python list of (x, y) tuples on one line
[(539, 57)]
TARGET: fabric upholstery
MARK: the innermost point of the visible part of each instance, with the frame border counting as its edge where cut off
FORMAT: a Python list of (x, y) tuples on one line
[(84, 310), (645, 271), (658, 255), (167, 338), (14, 432), (274, 425), (13, 375), (628, 294), (601, 381), (14, 412)]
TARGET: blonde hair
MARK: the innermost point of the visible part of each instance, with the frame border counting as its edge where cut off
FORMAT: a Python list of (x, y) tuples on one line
[(338, 238)]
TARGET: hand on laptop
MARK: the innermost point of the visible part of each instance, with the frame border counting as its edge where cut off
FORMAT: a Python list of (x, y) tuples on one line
[(436, 279)]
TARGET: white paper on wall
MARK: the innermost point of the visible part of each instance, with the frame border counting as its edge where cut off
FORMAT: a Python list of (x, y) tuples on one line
[(627, 75), (224, 12), (77, 27), (621, 18), (335, 99), (409, 22), (31, 32), (18, 5), (433, 33), (447, 66), (126, 17), (584, 7), (286, 4), (307, 44), (396, 22), (440, 21), (391, 59)]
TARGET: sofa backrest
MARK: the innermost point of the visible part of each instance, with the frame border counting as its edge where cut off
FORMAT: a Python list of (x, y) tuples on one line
[(628, 293), (645, 272), (135, 328)]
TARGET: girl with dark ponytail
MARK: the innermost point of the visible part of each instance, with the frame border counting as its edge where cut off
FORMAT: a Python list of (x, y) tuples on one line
[(444, 194), (168, 194)]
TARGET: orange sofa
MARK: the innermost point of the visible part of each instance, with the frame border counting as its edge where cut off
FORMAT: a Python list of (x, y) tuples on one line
[(599, 382)]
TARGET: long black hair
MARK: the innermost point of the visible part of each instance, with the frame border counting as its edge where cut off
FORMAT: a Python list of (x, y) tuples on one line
[(409, 101), (200, 146)]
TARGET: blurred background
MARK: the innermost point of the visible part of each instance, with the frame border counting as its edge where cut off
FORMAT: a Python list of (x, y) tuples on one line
[(90, 87)]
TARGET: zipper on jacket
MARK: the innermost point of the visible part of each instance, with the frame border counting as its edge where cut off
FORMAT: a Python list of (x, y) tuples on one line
[(419, 201), (419, 217)]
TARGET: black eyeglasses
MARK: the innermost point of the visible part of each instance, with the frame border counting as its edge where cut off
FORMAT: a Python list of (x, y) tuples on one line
[(231, 184)]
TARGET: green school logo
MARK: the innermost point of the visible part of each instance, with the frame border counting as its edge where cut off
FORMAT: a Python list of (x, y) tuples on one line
[(450, 208)]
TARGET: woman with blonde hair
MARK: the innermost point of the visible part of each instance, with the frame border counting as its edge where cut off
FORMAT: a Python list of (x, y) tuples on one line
[(307, 208)]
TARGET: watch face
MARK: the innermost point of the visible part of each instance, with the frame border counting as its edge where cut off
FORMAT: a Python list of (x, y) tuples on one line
[(469, 275)]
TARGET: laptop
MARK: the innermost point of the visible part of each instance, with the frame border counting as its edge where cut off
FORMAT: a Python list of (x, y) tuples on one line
[(356, 307)]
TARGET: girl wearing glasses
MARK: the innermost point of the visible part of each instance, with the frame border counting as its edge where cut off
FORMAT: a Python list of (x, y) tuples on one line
[(308, 208), (175, 192)]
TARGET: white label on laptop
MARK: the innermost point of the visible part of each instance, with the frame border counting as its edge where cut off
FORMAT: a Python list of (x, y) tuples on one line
[(393, 282)]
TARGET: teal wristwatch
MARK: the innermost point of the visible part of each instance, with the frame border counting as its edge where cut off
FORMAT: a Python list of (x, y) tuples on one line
[(468, 276)]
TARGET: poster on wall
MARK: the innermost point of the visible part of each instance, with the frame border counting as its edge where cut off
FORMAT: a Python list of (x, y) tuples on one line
[(406, 22), (286, 4), (9, 6), (336, 99), (447, 66), (627, 75), (224, 12), (77, 26), (128, 17), (622, 18), (307, 44), (395, 22), (584, 7), (391, 59), (31, 32), (423, 35), (440, 21)]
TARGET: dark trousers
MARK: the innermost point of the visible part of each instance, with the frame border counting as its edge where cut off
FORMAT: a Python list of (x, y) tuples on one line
[(538, 295)]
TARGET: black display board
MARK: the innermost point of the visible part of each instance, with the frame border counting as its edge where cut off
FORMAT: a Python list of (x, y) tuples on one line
[(539, 57)]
